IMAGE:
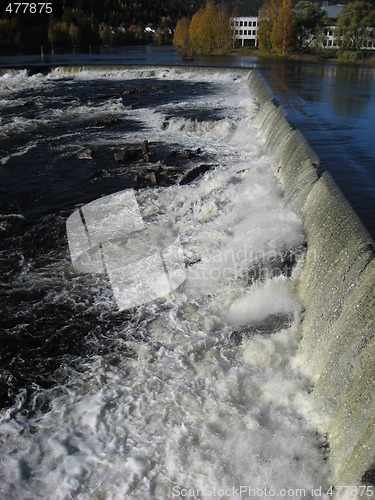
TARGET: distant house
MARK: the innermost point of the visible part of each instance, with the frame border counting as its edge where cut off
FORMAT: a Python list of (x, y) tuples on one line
[(332, 12), (245, 29)]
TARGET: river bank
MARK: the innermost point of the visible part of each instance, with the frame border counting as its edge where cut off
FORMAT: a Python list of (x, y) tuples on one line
[(323, 56)]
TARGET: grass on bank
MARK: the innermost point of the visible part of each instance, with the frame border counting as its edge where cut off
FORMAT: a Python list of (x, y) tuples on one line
[(323, 55)]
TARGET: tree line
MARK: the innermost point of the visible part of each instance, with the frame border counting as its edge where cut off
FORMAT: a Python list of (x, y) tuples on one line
[(283, 28), (208, 29), (82, 23)]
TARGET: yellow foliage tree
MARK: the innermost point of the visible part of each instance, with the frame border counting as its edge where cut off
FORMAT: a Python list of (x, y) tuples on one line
[(204, 28), (58, 34), (106, 34), (181, 34), (209, 29), (283, 29), (73, 32), (196, 31), (266, 22), (224, 29), (276, 27)]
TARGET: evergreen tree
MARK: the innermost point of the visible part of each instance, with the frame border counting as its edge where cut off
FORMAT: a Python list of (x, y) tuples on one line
[(309, 21)]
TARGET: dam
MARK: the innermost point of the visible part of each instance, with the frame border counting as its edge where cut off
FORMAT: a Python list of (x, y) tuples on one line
[(256, 372), (337, 289)]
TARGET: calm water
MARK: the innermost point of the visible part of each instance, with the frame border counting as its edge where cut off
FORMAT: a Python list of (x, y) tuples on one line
[(334, 106)]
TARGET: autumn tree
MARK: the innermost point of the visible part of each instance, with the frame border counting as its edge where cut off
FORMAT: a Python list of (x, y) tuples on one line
[(275, 26), (204, 28), (196, 30), (6, 34), (224, 37), (282, 31), (210, 26), (181, 34), (58, 34), (105, 35), (158, 36), (352, 25), (266, 21), (74, 33)]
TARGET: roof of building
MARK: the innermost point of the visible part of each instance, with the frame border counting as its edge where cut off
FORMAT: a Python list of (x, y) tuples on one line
[(332, 10)]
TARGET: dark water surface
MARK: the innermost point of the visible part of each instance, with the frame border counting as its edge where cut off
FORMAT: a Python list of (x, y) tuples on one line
[(334, 107), (44, 323)]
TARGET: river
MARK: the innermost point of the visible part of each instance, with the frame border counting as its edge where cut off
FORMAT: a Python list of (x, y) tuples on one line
[(193, 392), (332, 104)]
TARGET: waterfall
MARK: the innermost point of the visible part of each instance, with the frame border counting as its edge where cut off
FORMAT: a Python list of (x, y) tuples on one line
[(336, 288)]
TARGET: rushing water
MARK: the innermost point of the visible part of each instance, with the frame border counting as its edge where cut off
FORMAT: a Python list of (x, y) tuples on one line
[(332, 104), (195, 390)]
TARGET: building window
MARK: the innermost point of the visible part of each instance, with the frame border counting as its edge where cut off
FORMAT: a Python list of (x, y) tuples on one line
[(241, 23), (245, 23), (254, 23)]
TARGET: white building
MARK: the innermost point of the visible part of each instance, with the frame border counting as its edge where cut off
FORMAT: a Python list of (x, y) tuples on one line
[(246, 30)]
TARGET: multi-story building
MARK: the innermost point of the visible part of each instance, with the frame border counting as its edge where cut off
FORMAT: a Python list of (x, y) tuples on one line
[(245, 29), (332, 12)]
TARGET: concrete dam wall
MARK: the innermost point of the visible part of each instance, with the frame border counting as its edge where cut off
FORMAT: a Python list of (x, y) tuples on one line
[(336, 288)]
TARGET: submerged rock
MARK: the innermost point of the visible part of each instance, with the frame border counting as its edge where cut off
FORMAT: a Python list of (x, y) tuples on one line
[(85, 155), (157, 174), (267, 326), (135, 153), (195, 172), (128, 154), (108, 121)]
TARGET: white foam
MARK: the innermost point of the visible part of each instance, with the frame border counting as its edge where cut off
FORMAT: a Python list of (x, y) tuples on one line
[(190, 409)]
